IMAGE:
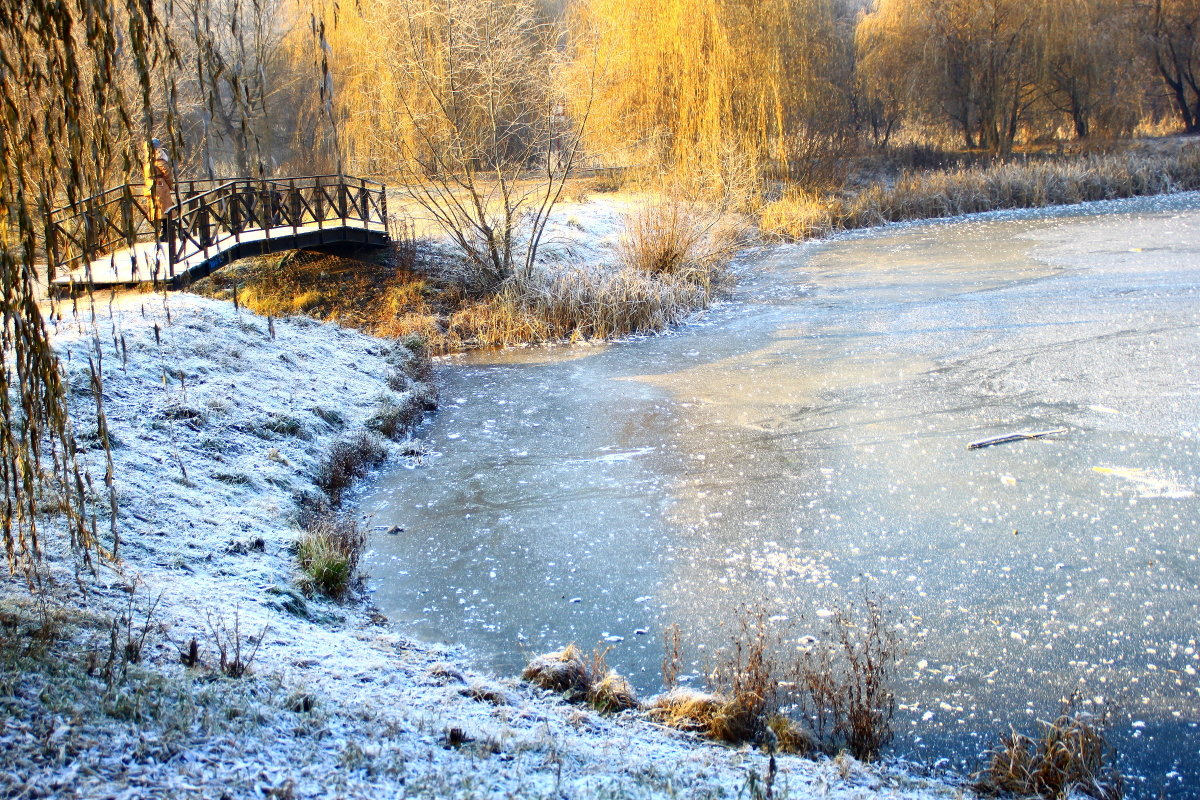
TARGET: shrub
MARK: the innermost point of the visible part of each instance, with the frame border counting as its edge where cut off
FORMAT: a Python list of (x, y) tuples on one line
[(349, 457), (672, 237), (1071, 757), (329, 551), (232, 661)]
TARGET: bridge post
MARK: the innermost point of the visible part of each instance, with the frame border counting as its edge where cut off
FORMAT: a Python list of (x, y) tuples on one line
[(204, 226), (235, 213), (383, 211), (294, 205), (343, 195), (127, 226)]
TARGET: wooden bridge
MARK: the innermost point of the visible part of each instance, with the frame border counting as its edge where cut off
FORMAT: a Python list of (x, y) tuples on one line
[(111, 239)]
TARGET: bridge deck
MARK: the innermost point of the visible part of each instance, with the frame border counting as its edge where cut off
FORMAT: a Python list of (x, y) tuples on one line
[(148, 262)]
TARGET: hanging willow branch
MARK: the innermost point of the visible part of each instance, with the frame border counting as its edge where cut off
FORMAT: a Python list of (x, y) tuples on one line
[(84, 84), (75, 83)]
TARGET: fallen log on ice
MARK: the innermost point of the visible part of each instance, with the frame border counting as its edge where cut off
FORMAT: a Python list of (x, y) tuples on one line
[(1013, 437)]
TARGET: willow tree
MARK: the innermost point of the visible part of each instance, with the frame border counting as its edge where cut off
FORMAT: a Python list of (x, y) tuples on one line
[(83, 85), (968, 64), (691, 84), (1088, 64)]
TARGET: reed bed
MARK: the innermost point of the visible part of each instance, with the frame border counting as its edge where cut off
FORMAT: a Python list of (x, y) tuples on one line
[(968, 190)]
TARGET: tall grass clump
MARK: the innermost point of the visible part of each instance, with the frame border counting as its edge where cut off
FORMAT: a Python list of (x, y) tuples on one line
[(968, 190), (672, 261), (1069, 757), (824, 694), (328, 551), (674, 237)]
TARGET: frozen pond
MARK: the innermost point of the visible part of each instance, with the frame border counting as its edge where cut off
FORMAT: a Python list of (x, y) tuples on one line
[(808, 439)]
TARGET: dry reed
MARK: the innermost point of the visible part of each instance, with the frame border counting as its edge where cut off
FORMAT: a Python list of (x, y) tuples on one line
[(1070, 757), (969, 190), (349, 457), (830, 694)]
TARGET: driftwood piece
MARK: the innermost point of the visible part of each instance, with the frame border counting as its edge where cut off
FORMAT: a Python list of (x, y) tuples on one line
[(1013, 437)]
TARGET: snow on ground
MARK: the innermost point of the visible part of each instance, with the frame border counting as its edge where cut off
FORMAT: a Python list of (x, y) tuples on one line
[(219, 419)]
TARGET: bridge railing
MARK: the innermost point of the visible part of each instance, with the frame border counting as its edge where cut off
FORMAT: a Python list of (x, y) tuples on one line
[(258, 210), (97, 226), (207, 215)]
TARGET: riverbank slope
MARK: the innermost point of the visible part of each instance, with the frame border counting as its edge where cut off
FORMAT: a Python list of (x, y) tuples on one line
[(219, 420)]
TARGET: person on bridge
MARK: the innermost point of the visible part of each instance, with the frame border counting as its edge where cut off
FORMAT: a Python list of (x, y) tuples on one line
[(160, 184)]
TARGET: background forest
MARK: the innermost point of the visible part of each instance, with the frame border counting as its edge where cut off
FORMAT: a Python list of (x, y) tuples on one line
[(731, 90)]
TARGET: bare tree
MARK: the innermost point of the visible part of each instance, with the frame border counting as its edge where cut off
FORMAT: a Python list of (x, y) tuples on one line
[(468, 111), (1171, 33)]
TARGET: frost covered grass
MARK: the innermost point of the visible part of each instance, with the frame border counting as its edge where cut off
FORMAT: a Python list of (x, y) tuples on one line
[(801, 214), (119, 683)]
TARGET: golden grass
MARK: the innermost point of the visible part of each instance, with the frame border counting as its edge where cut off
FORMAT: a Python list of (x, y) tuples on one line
[(612, 693), (574, 304), (563, 671), (790, 736), (1070, 757), (687, 710), (948, 193)]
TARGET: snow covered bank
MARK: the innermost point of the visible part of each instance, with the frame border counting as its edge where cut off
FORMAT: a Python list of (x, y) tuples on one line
[(219, 420)]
